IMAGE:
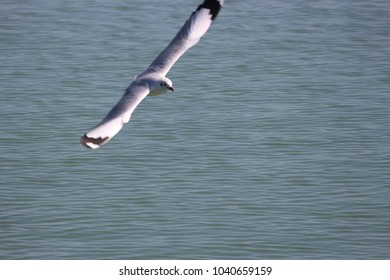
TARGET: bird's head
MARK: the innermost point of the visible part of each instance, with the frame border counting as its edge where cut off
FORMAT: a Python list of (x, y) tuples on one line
[(160, 86), (166, 84)]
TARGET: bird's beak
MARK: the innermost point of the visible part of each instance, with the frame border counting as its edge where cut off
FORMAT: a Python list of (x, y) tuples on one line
[(171, 89)]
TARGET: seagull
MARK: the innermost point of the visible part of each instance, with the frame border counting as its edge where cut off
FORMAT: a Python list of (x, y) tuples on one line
[(153, 80)]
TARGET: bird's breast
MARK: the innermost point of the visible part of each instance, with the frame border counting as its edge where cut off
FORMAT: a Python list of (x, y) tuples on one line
[(157, 91)]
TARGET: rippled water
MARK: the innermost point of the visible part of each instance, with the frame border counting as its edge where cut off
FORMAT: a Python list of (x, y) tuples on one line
[(275, 143)]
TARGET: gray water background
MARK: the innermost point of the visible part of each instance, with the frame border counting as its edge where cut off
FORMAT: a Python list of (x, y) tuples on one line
[(275, 144)]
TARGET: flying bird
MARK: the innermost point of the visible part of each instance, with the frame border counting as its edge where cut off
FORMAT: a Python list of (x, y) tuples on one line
[(153, 80)]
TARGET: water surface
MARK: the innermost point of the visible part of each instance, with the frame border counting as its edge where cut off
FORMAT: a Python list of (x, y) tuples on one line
[(275, 144)]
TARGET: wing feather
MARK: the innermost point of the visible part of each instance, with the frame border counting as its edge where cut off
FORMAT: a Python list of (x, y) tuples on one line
[(191, 32), (116, 118)]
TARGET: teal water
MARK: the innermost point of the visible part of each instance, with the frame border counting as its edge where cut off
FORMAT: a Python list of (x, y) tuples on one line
[(275, 144)]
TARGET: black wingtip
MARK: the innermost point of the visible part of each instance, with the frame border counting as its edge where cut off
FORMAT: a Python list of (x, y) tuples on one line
[(92, 143), (213, 5)]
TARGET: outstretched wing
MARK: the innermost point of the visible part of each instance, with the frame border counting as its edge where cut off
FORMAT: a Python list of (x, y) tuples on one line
[(194, 28), (116, 118)]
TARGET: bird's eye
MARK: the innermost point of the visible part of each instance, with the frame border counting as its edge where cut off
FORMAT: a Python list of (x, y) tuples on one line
[(161, 84)]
